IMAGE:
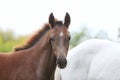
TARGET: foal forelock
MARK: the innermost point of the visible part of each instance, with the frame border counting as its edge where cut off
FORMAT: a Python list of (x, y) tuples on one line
[(59, 23)]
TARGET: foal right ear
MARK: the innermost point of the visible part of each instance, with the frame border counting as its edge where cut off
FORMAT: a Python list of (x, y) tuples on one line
[(51, 20)]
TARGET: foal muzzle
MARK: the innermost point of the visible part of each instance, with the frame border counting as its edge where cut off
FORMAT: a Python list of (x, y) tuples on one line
[(61, 62)]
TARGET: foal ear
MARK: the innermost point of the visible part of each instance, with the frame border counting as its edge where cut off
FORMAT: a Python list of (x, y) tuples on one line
[(51, 20), (67, 20)]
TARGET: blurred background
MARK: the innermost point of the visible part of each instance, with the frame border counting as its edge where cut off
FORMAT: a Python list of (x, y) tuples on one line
[(89, 19)]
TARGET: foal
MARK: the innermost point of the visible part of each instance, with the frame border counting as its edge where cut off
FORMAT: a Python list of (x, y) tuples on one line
[(37, 59)]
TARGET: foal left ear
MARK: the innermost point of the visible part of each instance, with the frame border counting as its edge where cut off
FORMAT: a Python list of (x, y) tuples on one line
[(67, 20), (51, 20)]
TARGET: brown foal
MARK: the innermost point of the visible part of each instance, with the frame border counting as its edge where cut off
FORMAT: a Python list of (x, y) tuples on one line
[(38, 58)]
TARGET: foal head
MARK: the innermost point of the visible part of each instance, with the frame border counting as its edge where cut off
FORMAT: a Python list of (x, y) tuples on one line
[(59, 39)]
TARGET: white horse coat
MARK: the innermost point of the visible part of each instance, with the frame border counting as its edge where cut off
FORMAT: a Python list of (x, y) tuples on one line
[(93, 59)]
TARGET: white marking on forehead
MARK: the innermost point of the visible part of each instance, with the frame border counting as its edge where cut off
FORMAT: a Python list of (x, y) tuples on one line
[(61, 33)]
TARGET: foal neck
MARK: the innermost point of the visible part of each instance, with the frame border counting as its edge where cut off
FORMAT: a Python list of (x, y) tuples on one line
[(46, 60)]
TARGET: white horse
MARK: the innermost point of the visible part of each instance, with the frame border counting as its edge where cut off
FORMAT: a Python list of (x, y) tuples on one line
[(93, 59)]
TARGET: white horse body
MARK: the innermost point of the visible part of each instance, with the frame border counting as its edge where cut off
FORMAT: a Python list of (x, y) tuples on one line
[(93, 59)]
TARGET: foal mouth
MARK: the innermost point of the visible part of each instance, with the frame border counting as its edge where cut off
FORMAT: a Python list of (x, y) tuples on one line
[(61, 63)]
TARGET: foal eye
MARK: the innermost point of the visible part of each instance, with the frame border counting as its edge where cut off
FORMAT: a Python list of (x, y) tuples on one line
[(69, 37)]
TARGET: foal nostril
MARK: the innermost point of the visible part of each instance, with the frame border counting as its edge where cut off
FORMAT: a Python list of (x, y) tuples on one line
[(61, 62)]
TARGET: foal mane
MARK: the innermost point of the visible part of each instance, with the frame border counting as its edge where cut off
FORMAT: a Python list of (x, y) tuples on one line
[(33, 39)]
